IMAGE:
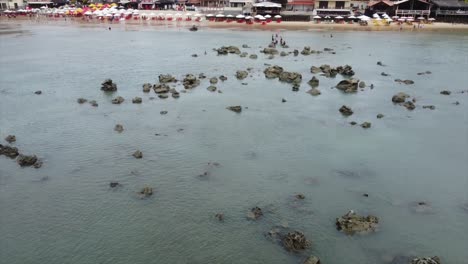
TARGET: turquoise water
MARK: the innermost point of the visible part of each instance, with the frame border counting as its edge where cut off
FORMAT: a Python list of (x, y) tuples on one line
[(65, 212)]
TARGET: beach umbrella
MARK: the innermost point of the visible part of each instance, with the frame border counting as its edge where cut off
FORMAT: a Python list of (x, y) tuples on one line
[(109, 15), (248, 17), (339, 17), (267, 16), (219, 15), (88, 13), (395, 17), (240, 16), (317, 17), (209, 15), (410, 19), (198, 15), (230, 16), (188, 14), (431, 19), (277, 16), (363, 17), (421, 18), (401, 19), (375, 15), (377, 19), (327, 17), (352, 17)]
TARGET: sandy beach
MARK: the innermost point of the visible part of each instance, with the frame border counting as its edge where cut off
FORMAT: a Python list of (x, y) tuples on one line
[(284, 25)]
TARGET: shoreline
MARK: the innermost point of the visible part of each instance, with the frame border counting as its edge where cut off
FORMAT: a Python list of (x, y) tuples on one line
[(285, 25)]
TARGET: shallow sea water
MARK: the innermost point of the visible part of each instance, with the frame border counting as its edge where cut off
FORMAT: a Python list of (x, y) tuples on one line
[(65, 211)]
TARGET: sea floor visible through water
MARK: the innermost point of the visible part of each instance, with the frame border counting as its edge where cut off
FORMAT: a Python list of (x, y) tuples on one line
[(66, 212)]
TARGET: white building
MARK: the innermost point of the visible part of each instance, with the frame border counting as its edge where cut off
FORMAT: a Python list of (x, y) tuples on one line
[(12, 4)]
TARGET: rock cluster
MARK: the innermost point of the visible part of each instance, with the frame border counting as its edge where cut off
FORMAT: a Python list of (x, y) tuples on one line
[(255, 213), (426, 260), (290, 77), (407, 82), (273, 72), (146, 192), (166, 78), (348, 85), (224, 50), (8, 151), (351, 223), (108, 86), (118, 100), (190, 81), (295, 241), (400, 98), (236, 108), (10, 138), (331, 72), (346, 110), (240, 75)]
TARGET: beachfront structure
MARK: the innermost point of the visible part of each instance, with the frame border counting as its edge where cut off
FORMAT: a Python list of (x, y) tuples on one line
[(48, 3), (325, 4), (214, 3), (240, 3), (267, 8), (412, 8), (300, 5), (12, 4), (450, 10)]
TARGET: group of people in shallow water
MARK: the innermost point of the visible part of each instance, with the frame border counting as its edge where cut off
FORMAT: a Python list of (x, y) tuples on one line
[(274, 40)]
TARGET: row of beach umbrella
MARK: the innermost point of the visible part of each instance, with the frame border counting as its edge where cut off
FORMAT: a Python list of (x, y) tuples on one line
[(376, 17)]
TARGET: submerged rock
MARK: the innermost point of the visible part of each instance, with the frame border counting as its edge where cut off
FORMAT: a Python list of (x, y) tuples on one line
[(366, 125), (114, 184), (10, 138), (255, 213), (161, 88), (346, 110), (312, 260), (138, 154), (445, 92), (253, 56), (283, 54), (93, 103), (384, 74), (409, 105), (431, 107), (314, 82), (220, 217), (224, 50), (290, 77), (26, 161), (118, 100), (81, 100), (379, 116), (223, 78), (421, 207), (214, 80), (426, 260), (271, 51), (163, 96), (147, 87), (295, 241), (300, 196), (400, 97), (348, 86), (38, 92), (166, 78), (273, 72), (211, 88), (8, 151), (296, 52), (362, 84), (236, 108), (201, 76), (243, 54), (108, 86), (137, 100), (240, 75), (314, 92), (190, 81), (283, 100), (119, 128), (407, 82), (146, 192), (351, 223), (305, 51)]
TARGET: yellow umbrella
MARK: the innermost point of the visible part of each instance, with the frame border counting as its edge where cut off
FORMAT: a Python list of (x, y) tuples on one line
[(67, 12), (113, 4), (79, 10), (99, 5), (92, 5)]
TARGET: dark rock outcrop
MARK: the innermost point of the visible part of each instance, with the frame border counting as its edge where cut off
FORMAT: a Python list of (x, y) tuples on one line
[(346, 110), (366, 125), (146, 192), (400, 97), (211, 88), (351, 223), (81, 100), (26, 161), (445, 92), (214, 80), (138, 154), (290, 77), (166, 78), (426, 260), (118, 100), (137, 100), (314, 82), (253, 56), (348, 86), (240, 75), (236, 108), (119, 128), (108, 86), (224, 50), (10, 139), (8, 151), (270, 51), (147, 87), (314, 92), (295, 241), (161, 88), (273, 72), (255, 213), (190, 81)]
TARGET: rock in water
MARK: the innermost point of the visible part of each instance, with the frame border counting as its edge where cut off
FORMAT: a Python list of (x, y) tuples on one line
[(399, 97), (25, 161), (273, 72), (253, 56), (306, 51), (241, 75), (429, 107), (146, 192), (312, 260), (351, 223), (271, 51), (295, 241), (346, 110), (214, 80), (114, 184), (224, 50), (119, 128), (236, 108), (138, 154), (445, 92), (190, 81), (118, 100), (211, 88), (255, 213), (314, 82), (8, 151), (81, 100), (243, 54), (147, 87), (314, 92), (366, 125), (38, 92), (362, 84), (300, 196), (409, 105), (137, 100), (427, 260), (290, 77), (283, 100), (93, 103), (283, 54), (348, 86), (223, 78), (379, 116), (220, 217), (161, 88), (10, 138), (166, 78), (108, 86), (315, 69)]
